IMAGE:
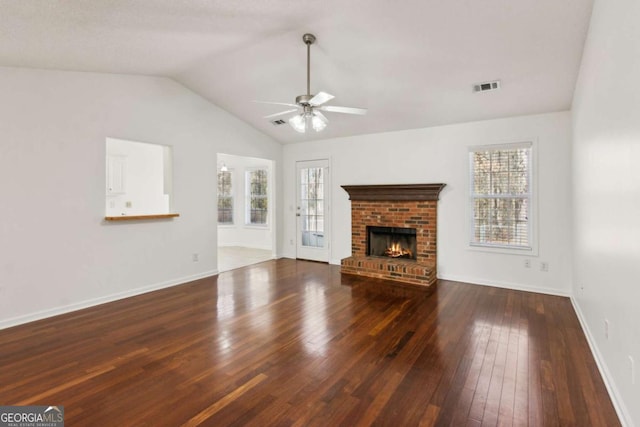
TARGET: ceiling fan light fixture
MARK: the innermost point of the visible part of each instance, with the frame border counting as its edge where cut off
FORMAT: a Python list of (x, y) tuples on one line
[(307, 121), (298, 123), (318, 123)]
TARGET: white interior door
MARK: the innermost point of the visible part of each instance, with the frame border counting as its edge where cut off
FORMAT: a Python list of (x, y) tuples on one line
[(312, 210)]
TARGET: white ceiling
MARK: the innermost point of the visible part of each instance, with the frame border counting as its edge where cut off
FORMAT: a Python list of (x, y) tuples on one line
[(412, 63)]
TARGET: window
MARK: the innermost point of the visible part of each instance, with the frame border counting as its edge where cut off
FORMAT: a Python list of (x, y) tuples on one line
[(225, 198), (501, 196), (257, 197)]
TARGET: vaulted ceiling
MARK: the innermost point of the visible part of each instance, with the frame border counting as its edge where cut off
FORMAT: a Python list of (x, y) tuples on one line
[(411, 63)]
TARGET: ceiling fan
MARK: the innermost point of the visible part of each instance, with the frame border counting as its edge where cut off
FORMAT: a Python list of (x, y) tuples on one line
[(308, 108)]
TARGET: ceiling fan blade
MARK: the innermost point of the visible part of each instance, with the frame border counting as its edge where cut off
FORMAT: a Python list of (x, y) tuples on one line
[(276, 103), (347, 110), (280, 113), (321, 98)]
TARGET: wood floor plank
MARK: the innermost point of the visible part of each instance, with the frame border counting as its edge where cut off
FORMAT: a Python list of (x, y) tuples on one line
[(508, 395), (521, 404), (290, 342), (206, 413), (535, 343), (479, 402)]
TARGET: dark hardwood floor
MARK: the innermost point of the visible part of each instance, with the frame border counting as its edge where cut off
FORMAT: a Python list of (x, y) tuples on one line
[(293, 343)]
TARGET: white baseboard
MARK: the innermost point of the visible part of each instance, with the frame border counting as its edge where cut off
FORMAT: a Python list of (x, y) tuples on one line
[(505, 285), (241, 245), (43, 314), (618, 403), (292, 256), (288, 254)]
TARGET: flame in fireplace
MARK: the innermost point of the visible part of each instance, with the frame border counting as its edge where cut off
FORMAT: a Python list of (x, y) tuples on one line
[(397, 251)]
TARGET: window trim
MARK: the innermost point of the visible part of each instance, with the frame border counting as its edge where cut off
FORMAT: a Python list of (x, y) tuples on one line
[(267, 196), (233, 201), (532, 249)]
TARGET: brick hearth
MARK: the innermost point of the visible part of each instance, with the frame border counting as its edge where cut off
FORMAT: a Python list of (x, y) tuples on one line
[(407, 206)]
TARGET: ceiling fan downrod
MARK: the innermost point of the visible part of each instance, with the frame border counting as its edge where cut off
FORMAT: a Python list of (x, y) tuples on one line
[(308, 39)]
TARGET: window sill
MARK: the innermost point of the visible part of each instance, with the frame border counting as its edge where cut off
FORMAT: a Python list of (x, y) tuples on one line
[(140, 217), (257, 226), (522, 251)]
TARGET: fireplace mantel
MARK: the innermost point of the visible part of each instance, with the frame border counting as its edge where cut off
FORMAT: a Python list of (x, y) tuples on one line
[(394, 192)]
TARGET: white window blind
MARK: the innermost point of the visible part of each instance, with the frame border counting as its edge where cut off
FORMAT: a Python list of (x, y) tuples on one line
[(225, 198), (501, 196), (257, 206)]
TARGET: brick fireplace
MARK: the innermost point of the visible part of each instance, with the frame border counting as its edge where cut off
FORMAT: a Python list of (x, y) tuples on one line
[(406, 209)]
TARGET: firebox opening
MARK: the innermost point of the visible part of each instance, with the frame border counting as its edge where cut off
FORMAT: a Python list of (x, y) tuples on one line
[(391, 242)]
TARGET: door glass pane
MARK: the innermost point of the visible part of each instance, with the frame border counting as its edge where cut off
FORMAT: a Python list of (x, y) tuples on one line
[(312, 207)]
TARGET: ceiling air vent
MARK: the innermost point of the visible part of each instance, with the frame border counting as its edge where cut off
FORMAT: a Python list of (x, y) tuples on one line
[(486, 86), (278, 122)]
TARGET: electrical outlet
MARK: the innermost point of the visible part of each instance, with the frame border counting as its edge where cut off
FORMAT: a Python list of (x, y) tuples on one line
[(128, 204), (527, 263), (544, 266), (195, 257), (632, 364), (606, 329)]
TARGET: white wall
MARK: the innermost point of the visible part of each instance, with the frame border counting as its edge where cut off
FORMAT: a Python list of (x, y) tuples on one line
[(440, 154), (56, 251), (606, 195), (239, 233)]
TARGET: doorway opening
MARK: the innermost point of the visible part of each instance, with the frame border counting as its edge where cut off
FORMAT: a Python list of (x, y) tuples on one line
[(246, 211)]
